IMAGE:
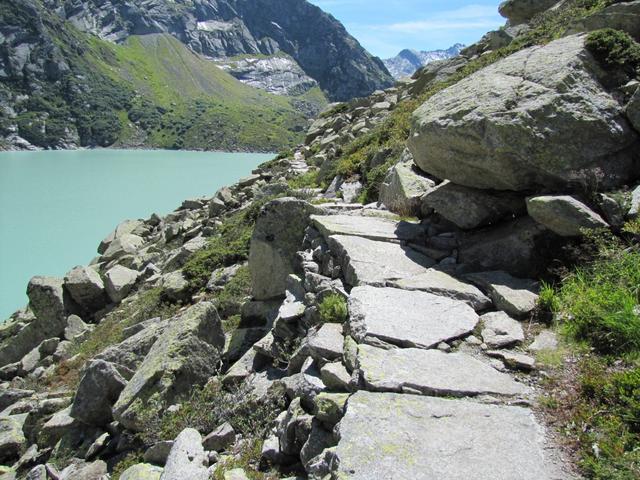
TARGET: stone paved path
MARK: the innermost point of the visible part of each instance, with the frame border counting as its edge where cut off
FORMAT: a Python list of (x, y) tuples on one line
[(410, 322)]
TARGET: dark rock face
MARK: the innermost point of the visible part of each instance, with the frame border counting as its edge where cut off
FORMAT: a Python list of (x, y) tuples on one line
[(225, 28)]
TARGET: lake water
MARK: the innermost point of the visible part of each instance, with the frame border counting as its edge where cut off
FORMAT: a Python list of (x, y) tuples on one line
[(56, 207)]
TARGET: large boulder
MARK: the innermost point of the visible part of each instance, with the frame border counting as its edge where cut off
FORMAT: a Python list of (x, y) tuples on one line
[(623, 16), (469, 207), (521, 11), (403, 187), (277, 237), (538, 118), (86, 288), (142, 471), (46, 300), (564, 215), (185, 355), (12, 439), (98, 390)]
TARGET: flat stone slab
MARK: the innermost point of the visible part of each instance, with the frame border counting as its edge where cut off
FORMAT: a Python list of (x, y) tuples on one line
[(407, 318), (442, 284), (516, 296), (367, 262), (399, 437), (432, 372), (373, 228)]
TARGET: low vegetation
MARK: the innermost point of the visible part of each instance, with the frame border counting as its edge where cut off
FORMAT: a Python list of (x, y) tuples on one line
[(597, 403), (615, 50), (333, 309)]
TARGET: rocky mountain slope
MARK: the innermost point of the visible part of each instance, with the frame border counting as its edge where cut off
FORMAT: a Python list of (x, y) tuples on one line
[(369, 304), (407, 62), (60, 57)]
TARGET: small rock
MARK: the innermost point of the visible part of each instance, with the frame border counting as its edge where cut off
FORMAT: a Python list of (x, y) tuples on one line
[(335, 377), (142, 471), (158, 453), (236, 474), (327, 343), (500, 330), (514, 360), (119, 282), (564, 215), (220, 439), (546, 340), (330, 407)]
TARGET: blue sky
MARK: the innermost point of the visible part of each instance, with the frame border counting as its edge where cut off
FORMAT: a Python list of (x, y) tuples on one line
[(384, 27)]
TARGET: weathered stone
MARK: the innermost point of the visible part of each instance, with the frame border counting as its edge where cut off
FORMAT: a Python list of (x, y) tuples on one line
[(407, 319), (158, 453), (397, 437), (12, 438), (431, 372), (187, 459), (511, 247), (220, 439), (9, 396), (546, 340), (619, 16), (46, 300), (86, 288), (221, 276), (500, 330), (56, 427), (372, 228), (351, 191), (97, 392), (277, 237), (470, 208), (125, 228), (119, 282), (186, 354), (86, 471), (175, 287), (143, 471), (442, 284), (327, 343), (514, 360), (367, 262), (75, 328), (131, 352), (303, 385), (404, 186), (127, 244), (39, 472), (521, 11), (319, 439), (536, 119), (335, 377), (516, 296), (564, 215), (330, 407)]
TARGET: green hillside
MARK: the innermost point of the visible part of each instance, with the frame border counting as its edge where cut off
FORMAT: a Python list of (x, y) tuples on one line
[(151, 91)]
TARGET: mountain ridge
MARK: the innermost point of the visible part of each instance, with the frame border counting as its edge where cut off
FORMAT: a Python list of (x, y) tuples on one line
[(408, 61)]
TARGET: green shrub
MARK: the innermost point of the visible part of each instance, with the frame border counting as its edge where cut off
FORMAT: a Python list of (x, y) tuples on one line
[(333, 309), (307, 180), (615, 49), (599, 303), (235, 292)]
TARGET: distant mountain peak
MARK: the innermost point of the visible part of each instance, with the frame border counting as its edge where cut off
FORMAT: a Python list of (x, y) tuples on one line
[(408, 60)]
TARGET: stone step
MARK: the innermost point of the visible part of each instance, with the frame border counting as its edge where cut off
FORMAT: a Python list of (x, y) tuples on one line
[(407, 318), (432, 372), (373, 228), (367, 262), (441, 283), (398, 437)]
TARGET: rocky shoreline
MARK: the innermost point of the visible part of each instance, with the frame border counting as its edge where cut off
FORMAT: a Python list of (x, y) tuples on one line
[(289, 328)]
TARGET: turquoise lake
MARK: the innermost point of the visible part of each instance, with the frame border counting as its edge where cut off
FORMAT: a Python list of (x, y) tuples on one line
[(56, 207)]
